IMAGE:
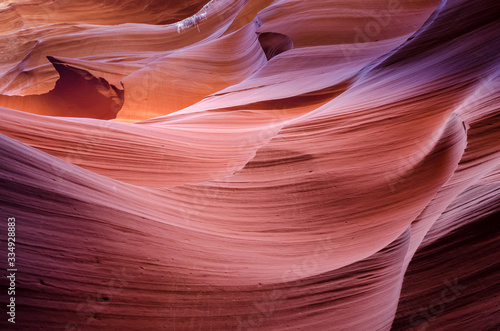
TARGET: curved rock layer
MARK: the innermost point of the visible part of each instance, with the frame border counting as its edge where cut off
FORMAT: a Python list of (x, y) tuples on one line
[(251, 165)]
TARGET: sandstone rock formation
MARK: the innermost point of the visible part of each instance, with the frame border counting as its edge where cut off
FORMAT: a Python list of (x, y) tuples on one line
[(251, 164)]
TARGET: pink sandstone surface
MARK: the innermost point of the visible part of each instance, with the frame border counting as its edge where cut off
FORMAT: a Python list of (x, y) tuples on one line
[(251, 164)]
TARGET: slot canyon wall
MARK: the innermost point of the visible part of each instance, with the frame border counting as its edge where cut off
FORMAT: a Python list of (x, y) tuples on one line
[(250, 165)]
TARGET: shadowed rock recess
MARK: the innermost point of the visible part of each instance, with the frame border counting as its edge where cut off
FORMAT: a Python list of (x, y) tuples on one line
[(250, 165)]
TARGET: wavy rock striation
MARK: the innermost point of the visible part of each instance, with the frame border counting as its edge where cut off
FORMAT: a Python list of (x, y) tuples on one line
[(252, 165)]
